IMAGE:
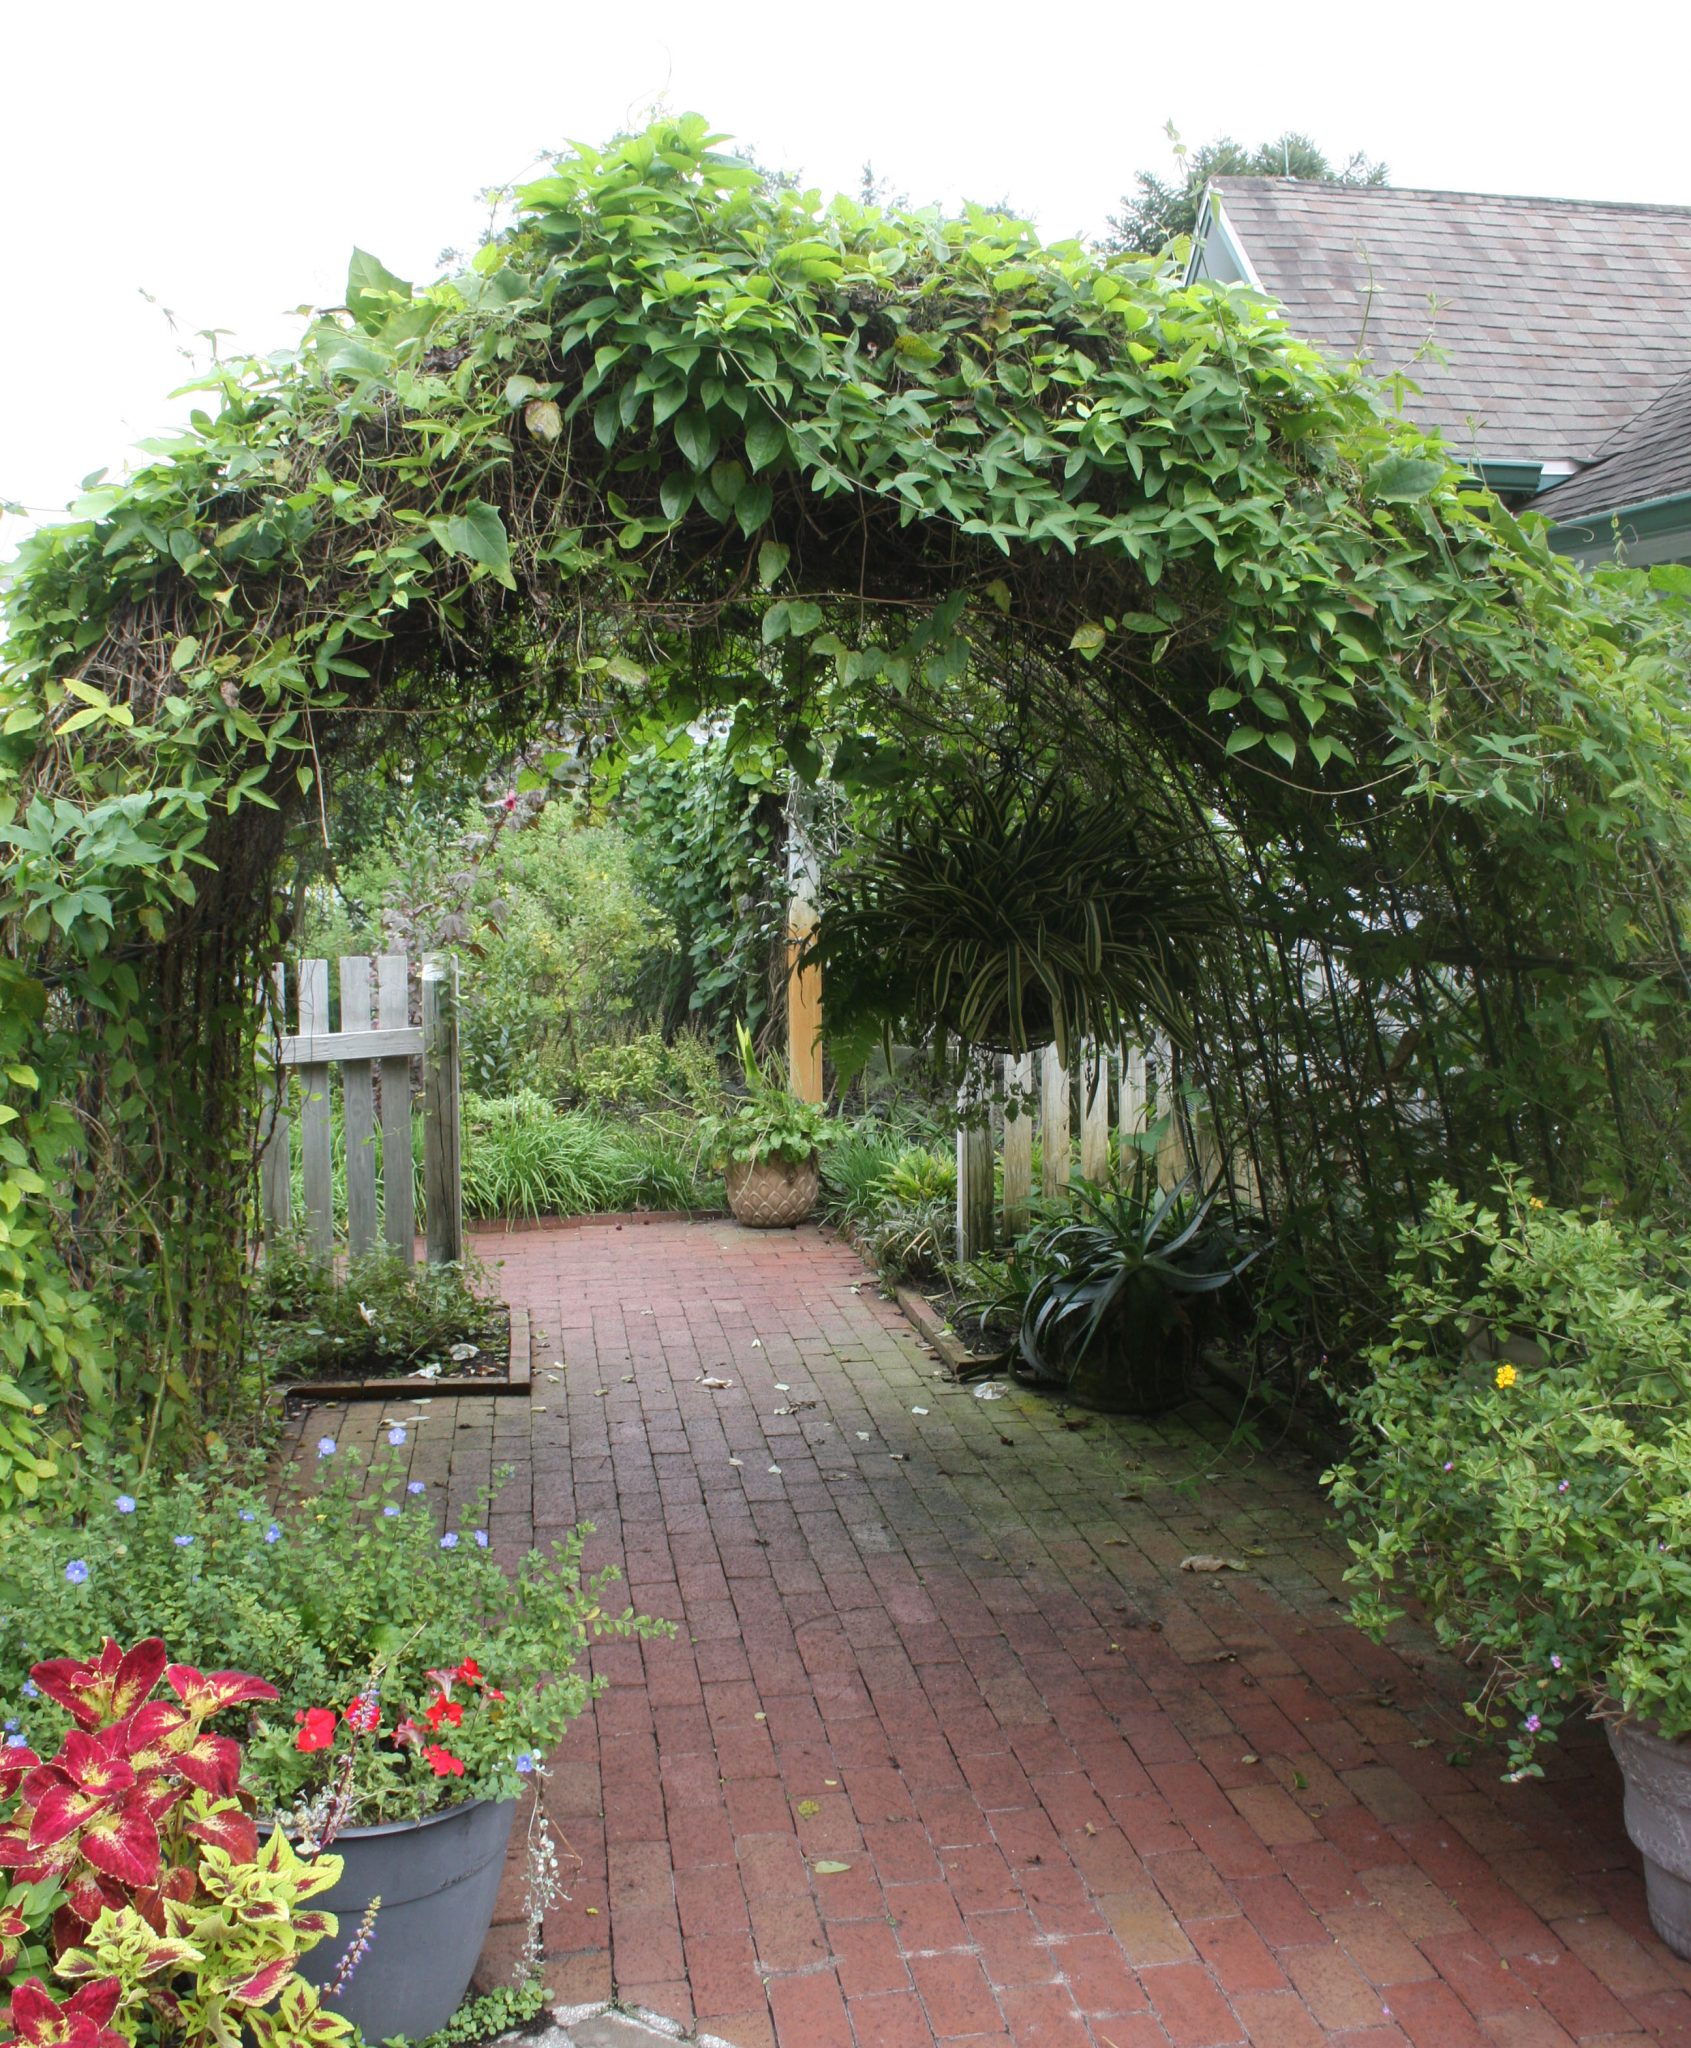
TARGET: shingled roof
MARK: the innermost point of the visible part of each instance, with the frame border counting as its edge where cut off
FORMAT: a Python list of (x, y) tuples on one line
[(1648, 460), (1560, 320)]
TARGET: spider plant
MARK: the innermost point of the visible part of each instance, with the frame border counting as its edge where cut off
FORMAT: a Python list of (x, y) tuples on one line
[(1008, 912)]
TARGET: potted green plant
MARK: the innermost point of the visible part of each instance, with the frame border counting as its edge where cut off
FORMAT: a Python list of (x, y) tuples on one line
[(1540, 1511), (767, 1143), (421, 1686), (1118, 1290)]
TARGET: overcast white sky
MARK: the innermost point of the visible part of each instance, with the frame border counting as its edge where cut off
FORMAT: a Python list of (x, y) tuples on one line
[(225, 158)]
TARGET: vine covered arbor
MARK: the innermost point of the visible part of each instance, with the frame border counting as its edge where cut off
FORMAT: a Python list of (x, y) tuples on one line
[(1373, 809)]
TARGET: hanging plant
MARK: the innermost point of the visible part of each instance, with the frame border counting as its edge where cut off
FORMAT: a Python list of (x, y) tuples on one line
[(1007, 913)]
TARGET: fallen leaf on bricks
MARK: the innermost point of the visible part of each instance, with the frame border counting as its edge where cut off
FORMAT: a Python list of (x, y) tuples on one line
[(1203, 1563), (708, 1379), (829, 1869)]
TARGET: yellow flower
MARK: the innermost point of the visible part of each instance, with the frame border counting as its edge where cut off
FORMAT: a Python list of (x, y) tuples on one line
[(1505, 1375), (1533, 1202)]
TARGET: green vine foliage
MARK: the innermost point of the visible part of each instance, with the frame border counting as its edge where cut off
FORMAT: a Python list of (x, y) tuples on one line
[(889, 482)]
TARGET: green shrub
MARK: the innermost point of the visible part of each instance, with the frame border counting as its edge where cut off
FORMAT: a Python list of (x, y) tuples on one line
[(918, 1176), (645, 1071), (1523, 1461), (522, 1157), (388, 1315), (913, 1242), (853, 1167)]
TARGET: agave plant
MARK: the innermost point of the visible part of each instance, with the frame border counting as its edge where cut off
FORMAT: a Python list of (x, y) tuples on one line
[(1115, 1308), (1007, 913)]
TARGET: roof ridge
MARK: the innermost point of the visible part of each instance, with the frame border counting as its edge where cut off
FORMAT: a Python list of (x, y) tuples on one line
[(1665, 206)]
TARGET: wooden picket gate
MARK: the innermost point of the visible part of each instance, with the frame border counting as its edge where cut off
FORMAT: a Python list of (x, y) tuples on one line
[(366, 1052), (1056, 1093)]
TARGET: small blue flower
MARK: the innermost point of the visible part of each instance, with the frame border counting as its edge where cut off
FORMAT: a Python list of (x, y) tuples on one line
[(325, 1447), (273, 1534), (525, 1763), (247, 1515), (125, 1503), (29, 1688), (396, 1436), (11, 1727), (76, 1571), (450, 1540), (17, 1742), (390, 1509), (481, 1539), (415, 1486)]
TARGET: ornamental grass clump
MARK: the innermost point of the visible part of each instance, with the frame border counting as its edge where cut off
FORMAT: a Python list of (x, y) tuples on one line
[(1522, 1464), (414, 1670)]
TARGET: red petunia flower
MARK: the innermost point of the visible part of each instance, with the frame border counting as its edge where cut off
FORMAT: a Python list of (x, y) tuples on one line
[(470, 1671), (445, 1764), (443, 1709), (316, 1728)]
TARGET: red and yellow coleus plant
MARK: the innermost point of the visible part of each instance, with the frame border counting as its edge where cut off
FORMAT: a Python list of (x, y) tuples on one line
[(137, 1875)]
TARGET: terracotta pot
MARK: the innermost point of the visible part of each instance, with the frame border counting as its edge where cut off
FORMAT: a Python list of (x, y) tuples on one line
[(438, 1881), (1658, 1818), (768, 1194)]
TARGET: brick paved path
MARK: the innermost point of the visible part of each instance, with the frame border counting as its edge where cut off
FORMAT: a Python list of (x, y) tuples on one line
[(1080, 1796)]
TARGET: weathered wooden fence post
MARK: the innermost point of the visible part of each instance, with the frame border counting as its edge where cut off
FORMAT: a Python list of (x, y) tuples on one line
[(1055, 1162), (442, 1188), (1018, 1142)]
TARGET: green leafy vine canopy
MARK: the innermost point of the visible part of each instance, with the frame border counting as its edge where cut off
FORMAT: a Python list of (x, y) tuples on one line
[(898, 489)]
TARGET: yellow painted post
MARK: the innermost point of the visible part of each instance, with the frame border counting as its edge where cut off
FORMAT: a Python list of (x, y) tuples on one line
[(804, 984)]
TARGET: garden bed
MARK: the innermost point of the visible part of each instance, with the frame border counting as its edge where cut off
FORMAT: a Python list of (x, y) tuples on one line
[(508, 1372)]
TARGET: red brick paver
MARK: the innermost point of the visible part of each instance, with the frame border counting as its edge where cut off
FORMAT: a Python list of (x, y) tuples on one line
[(1080, 1796)]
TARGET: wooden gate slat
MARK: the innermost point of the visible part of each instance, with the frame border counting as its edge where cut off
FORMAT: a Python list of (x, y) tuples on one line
[(1055, 1158), (1018, 1142), (393, 1000), (1095, 1113), (358, 1095), (314, 1119), (276, 1160)]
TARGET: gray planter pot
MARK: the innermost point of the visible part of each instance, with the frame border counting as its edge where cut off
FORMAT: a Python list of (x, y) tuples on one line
[(1658, 1818), (438, 1880)]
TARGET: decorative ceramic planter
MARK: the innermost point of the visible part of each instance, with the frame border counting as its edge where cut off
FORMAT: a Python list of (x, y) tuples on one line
[(1658, 1818), (438, 1880), (768, 1194)]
